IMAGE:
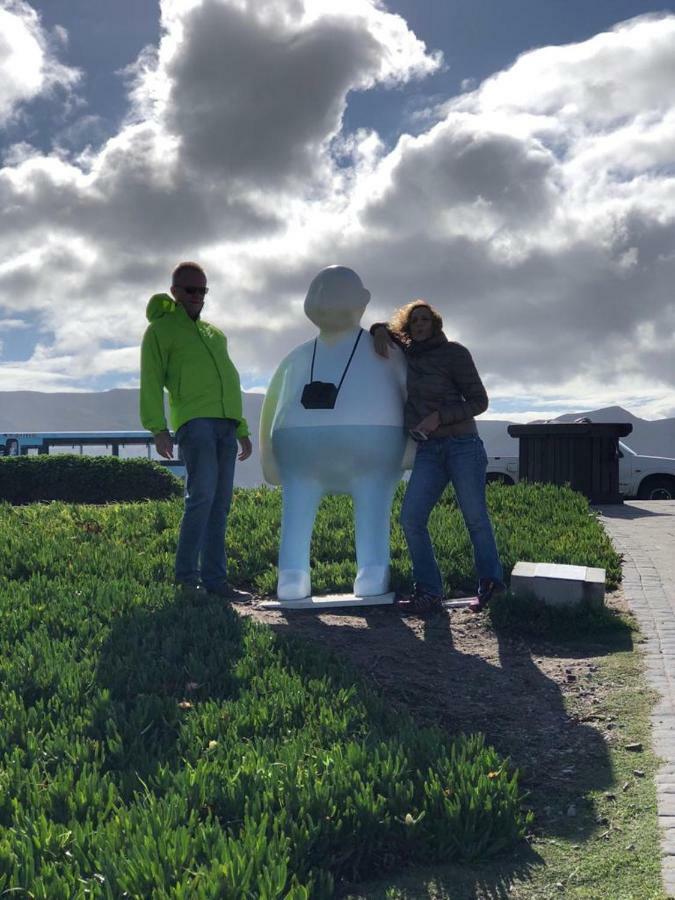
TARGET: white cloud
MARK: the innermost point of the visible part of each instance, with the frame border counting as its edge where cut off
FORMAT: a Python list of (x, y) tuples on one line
[(254, 92), (28, 64), (614, 75), (537, 211)]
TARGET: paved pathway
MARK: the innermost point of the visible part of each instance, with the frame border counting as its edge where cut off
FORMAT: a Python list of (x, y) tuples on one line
[(644, 532)]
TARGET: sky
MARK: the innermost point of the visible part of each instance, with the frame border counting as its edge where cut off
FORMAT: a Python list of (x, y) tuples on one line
[(511, 162)]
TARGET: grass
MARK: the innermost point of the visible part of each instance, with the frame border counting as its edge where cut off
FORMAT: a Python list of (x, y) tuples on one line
[(610, 847), (176, 751), (525, 615), (532, 522), (155, 748)]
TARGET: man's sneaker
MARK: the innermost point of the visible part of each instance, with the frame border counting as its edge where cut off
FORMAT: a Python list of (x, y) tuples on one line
[(186, 591), (227, 592), (420, 602), (487, 589)]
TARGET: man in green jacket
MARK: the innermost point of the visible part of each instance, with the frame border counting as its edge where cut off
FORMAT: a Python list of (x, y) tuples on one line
[(189, 357)]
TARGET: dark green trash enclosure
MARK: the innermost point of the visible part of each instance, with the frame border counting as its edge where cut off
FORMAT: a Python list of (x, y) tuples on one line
[(585, 456)]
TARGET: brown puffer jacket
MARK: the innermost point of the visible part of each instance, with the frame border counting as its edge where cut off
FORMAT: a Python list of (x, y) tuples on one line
[(442, 377)]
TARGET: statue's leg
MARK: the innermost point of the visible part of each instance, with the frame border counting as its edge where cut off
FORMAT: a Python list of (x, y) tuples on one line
[(301, 500), (372, 511)]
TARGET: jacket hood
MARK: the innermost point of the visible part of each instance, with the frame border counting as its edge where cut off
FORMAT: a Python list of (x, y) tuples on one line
[(159, 305)]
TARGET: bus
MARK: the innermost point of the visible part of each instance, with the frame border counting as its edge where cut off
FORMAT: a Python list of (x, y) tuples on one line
[(106, 442)]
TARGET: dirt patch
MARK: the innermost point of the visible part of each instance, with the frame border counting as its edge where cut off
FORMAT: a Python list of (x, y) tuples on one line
[(539, 702)]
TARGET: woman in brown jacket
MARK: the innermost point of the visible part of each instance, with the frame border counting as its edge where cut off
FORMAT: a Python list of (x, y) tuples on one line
[(445, 392)]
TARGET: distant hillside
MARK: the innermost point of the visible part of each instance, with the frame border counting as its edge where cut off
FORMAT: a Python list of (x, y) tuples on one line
[(117, 410), (654, 438)]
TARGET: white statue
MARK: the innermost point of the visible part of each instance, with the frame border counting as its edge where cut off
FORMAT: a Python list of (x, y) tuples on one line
[(341, 435)]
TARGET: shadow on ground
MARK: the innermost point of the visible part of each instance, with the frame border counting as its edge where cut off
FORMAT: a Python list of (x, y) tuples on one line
[(465, 678), (623, 511), (457, 673), (153, 660)]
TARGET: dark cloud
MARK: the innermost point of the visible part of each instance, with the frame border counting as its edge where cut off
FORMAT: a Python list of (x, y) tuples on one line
[(134, 198), (437, 178), (255, 102)]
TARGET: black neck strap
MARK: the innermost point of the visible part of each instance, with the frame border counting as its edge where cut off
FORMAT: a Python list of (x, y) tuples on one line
[(351, 357)]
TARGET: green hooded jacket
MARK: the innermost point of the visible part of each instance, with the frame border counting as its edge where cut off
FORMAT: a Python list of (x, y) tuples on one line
[(190, 359)]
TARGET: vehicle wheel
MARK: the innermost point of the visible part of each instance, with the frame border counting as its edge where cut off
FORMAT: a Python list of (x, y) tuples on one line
[(498, 478), (657, 487)]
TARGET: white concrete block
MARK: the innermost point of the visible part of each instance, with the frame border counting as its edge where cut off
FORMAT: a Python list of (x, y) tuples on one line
[(330, 601), (559, 585)]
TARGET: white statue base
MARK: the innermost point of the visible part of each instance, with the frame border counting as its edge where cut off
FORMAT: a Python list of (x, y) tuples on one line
[(329, 601)]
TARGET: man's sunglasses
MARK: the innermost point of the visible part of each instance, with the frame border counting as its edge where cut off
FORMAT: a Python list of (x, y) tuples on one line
[(201, 291)]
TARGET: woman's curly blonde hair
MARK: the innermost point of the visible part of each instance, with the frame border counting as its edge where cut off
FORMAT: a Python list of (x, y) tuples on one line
[(399, 323)]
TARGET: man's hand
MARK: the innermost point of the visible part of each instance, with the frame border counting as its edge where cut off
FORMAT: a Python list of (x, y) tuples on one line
[(382, 341), (246, 448), (429, 423), (164, 444)]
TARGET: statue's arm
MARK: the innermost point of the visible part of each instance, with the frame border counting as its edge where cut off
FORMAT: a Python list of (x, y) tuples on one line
[(269, 408)]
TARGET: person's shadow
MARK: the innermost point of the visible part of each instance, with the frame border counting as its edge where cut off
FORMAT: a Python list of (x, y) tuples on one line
[(418, 667), (155, 664)]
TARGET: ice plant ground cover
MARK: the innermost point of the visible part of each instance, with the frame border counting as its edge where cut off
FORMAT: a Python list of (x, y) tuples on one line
[(168, 749), (532, 522)]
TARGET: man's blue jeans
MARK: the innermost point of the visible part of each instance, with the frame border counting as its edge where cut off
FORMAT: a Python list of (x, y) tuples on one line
[(209, 449), (461, 460)]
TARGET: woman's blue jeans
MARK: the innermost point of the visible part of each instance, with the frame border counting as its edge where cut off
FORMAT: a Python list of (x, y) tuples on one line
[(209, 450), (461, 460)]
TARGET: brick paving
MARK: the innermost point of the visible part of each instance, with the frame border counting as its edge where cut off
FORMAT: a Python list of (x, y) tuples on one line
[(644, 532)]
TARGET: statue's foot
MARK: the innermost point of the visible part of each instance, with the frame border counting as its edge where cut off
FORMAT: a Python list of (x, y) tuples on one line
[(293, 584), (371, 581)]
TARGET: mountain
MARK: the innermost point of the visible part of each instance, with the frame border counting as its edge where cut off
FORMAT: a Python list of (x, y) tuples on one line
[(117, 410), (606, 414), (652, 438)]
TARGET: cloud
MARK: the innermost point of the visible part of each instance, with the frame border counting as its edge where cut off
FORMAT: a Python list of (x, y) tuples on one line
[(28, 63), (462, 179), (541, 221), (536, 210), (174, 181), (613, 76), (255, 92)]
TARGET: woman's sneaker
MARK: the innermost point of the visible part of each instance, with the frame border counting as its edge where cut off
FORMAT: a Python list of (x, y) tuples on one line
[(420, 602), (487, 589)]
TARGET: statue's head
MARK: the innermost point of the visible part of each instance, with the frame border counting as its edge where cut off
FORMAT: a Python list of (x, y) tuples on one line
[(336, 299)]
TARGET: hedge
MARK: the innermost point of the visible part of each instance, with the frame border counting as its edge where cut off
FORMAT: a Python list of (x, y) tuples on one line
[(84, 479)]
